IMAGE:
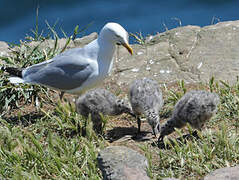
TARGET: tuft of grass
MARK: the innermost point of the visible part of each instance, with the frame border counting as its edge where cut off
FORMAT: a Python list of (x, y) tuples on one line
[(29, 52), (51, 148), (196, 158), (138, 38), (172, 98), (218, 143)]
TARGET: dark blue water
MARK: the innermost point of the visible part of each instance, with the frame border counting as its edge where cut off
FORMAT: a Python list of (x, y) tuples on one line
[(18, 17)]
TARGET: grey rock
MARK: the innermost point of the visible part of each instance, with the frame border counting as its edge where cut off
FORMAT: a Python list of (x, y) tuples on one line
[(85, 40), (3, 46), (78, 42), (122, 163), (191, 53), (170, 179), (47, 44), (50, 43), (227, 173), (4, 49)]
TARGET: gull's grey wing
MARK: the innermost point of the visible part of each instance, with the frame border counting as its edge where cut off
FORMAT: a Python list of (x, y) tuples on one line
[(64, 72), (74, 53)]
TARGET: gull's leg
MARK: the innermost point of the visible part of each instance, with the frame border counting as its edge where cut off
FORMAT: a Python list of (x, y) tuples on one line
[(154, 133), (139, 124), (160, 139), (61, 95), (97, 123), (132, 114), (195, 134)]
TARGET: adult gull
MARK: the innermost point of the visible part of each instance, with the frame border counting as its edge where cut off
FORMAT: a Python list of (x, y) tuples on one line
[(78, 69)]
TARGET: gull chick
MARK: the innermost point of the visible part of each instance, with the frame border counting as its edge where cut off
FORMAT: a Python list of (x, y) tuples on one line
[(195, 107), (146, 98), (98, 101), (77, 69)]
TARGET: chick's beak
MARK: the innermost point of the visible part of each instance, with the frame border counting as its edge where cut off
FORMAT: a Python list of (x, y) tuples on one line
[(126, 45)]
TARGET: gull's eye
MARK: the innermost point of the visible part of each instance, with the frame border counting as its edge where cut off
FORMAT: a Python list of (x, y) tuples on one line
[(117, 36)]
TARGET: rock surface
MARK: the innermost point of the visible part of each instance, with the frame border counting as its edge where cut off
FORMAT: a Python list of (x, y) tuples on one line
[(191, 53), (61, 42), (122, 163), (4, 49), (227, 173), (79, 42)]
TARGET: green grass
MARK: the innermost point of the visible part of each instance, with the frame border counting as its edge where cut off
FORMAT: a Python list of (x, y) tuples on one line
[(27, 53), (218, 145), (52, 146), (47, 143)]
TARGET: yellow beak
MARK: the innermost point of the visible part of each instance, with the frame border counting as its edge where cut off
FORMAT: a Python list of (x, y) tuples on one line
[(126, 45)]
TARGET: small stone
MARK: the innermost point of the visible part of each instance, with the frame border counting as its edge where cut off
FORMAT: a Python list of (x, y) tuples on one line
[(199, 65), (140, 53), (135, 70), (162, 71), (148, 68), (3, 46), (122, 163), (227, 173), (151, 61), (4, 49)]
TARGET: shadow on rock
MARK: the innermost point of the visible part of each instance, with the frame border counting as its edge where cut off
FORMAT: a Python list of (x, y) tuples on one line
[(120, 132)]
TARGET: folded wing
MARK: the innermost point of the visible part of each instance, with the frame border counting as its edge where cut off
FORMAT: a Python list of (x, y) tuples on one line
[(64, 72)]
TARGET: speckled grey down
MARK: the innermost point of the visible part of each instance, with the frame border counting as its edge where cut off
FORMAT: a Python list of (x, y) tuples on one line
[(195, 108), (146, 98), (98, 101)]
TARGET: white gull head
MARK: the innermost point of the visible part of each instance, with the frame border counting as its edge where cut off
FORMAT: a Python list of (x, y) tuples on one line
[(115, 34)]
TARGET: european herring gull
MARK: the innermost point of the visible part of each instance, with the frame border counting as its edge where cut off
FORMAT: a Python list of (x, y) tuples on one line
[(146, 98), (98, 101), (77, 69), (195, 107)]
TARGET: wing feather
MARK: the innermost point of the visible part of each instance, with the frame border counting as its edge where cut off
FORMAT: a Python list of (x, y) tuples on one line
[(65, 72)]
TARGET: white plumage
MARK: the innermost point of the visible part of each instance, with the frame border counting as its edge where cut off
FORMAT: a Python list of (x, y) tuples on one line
[(77, 69)]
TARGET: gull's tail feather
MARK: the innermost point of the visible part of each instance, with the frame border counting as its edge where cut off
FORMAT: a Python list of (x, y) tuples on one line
[(16, 80), (12, 70)]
